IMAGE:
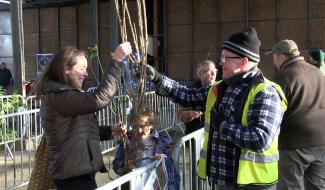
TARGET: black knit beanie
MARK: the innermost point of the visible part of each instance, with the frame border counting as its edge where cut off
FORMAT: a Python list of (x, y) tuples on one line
[(245, 44)]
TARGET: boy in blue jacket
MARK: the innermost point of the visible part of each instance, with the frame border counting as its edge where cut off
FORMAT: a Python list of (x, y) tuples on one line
[(144, 145)]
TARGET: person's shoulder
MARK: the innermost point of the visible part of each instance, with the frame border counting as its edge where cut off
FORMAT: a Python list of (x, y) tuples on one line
[(164, 137), (282, 76), (269, 90), (295, 72)]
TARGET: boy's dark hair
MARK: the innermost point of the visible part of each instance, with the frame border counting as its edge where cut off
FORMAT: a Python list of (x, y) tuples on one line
[(144, 112)]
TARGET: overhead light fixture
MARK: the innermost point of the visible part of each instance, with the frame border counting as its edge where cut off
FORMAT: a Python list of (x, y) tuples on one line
[(5, 1)]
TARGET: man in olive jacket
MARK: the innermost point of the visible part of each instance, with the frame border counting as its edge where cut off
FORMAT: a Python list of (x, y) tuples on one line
[(301, 140)]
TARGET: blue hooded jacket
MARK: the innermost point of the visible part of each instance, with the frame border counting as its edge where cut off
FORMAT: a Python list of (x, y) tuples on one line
[(162, 145)]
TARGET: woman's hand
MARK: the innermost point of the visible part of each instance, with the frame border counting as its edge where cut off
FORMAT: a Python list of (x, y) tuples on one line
[(195, 114), (123, 50), (119, 130)]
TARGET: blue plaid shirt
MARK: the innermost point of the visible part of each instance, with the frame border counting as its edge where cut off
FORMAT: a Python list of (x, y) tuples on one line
[(264, 119)]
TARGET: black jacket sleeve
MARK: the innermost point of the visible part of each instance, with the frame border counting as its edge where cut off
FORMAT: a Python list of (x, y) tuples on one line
[(105, 132)]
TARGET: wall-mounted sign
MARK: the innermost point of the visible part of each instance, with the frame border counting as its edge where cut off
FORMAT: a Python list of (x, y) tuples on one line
[(42, 60)]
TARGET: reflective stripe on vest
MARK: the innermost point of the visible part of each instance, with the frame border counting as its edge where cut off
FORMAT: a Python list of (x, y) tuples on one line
[(258, 158)]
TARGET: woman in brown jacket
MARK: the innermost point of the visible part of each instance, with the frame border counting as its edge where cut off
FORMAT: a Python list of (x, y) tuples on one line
[(70, 126)]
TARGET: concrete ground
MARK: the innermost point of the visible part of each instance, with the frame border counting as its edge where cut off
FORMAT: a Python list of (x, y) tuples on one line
[(19, 169)]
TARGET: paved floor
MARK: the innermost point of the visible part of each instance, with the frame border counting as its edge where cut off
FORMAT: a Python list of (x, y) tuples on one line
[(18, 170)]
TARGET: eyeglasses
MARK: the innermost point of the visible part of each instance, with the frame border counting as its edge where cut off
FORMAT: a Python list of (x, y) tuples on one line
[(223, 58), (143, 125)]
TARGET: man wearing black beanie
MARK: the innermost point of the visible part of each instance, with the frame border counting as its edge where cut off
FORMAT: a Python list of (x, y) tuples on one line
[(243, 113)]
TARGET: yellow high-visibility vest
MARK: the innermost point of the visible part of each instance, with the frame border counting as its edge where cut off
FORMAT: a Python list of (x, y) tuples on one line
[(254, 167)]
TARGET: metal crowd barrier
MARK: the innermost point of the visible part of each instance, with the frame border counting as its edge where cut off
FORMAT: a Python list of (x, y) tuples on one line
[(186, 155), (20, 134), (22, 130), (127, 178), (32, 103)]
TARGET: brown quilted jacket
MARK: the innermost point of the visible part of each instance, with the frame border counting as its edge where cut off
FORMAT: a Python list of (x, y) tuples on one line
[(71, 128)]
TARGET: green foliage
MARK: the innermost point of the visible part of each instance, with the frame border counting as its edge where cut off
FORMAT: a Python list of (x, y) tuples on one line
[(8, 106), (11, 104), (93, 57), (10, 134), (93, 53)]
